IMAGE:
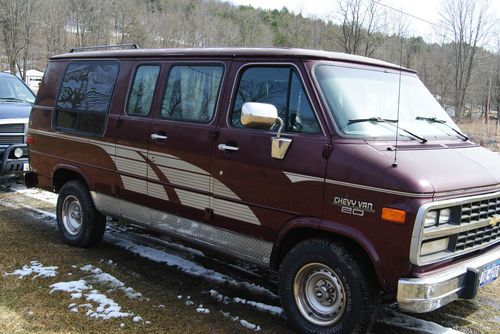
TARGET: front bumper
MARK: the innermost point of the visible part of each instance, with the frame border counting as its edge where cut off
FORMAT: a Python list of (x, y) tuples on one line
[(9, 164), (427, 293)]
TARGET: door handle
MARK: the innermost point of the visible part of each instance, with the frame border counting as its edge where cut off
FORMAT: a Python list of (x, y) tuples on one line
[(224, 147), (156, 136)]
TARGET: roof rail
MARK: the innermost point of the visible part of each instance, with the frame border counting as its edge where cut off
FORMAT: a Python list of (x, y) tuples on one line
[(105, 47)]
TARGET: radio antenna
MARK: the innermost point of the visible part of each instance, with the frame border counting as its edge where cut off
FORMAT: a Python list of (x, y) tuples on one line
[(395, 162)]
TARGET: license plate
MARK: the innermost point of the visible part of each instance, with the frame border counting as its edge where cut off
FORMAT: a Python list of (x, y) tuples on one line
[(26, 167), (489, 273)]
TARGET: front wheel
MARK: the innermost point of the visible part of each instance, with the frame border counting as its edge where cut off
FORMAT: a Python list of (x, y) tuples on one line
[(324, 288), (77, 218)]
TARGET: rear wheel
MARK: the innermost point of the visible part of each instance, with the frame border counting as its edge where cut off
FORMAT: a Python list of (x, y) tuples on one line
[(324, 288), (77, 218)]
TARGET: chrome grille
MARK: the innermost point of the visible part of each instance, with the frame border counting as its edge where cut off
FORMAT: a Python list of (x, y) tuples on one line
[(477, 237), (9, 140), (11, 128), (474, 224), (480, 210)]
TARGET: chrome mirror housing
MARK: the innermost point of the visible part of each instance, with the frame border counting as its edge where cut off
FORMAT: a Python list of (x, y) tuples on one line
[(264, 116), (258, 115)]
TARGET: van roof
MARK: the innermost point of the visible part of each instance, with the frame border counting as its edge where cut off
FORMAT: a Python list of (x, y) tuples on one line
[(231, 52)]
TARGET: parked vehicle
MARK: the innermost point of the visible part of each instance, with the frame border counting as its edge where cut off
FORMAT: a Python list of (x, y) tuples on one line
[(16, 100), (340, 172)]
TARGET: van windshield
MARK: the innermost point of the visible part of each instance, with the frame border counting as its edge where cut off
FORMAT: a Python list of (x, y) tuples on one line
[(364, 103)]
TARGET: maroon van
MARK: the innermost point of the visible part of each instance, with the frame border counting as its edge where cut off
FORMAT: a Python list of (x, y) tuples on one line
[(340, 172)]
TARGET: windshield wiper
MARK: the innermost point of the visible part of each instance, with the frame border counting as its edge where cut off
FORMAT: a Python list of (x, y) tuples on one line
[(388, 121), (440, 121), (14, 99)]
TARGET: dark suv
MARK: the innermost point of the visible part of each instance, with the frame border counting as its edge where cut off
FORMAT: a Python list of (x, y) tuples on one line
[(16, 100)]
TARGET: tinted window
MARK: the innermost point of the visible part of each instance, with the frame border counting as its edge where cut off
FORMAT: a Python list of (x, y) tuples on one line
[(85, 95), (281, 87), (143, 88), (191, 93)]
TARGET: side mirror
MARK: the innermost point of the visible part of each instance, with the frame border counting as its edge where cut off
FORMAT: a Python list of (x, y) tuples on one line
[(258, 115), (264, 116)]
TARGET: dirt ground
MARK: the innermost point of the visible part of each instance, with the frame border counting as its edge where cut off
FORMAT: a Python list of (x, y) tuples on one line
[(176, 285)]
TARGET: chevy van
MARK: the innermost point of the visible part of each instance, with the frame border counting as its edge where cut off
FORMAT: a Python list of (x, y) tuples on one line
[(341, 173)]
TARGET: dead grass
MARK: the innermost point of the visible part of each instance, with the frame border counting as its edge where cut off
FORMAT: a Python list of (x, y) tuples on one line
[(487, 135), (26, 306)]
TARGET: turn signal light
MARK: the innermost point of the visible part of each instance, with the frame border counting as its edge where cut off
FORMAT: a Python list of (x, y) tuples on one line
[(394, 215), (30, 140)]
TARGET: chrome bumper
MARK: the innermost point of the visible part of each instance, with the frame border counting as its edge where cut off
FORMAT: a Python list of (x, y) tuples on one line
[(427, 293)]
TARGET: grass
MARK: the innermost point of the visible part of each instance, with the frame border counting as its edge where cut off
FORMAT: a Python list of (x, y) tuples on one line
[(26, 306), (487, 135)]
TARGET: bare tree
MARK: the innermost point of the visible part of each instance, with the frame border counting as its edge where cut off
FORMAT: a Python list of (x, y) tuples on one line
[(469, 25), (360, 22), (16, 23)]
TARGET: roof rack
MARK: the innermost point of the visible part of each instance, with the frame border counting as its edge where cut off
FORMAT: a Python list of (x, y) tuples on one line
[(105, 47)]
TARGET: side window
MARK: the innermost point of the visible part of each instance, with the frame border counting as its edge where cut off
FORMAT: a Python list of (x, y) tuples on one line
[(85, 95), (282, 87), (191, 93), (142, 91)]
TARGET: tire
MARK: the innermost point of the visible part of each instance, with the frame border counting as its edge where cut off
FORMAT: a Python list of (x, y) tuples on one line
[(78, 220), (325, 288)]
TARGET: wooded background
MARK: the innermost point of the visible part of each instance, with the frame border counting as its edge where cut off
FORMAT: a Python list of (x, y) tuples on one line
[(461, 69)]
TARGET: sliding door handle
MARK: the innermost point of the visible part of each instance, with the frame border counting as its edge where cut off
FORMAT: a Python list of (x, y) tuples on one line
[(156, 136), (224, 147)]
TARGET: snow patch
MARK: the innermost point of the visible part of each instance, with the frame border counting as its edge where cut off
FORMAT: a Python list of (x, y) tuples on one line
[(407, 322), (72, 286), (242, 322), (201, 309), (106, 279), (249, 325), (107, 308), (275, 310), (103, 307), (184, 265), (38, 194), (43, 213), (34, 267)]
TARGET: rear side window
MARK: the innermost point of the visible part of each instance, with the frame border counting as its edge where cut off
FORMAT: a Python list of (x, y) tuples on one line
[(191, 93), (85, 95), (143, 88), (281, 87)]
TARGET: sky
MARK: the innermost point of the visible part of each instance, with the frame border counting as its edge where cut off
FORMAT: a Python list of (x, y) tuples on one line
[(424, 9)]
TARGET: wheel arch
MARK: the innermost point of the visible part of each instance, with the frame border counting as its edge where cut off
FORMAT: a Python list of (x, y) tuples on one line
[(64, 173), (308, 228)]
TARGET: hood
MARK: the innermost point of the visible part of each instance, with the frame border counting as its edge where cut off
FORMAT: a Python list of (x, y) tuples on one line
[(442, 171), (14, 110)]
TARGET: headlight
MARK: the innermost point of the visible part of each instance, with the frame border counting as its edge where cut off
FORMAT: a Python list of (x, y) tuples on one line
[(437, 217), (434, 246), (444, 216), (18, 152), (430, 218)]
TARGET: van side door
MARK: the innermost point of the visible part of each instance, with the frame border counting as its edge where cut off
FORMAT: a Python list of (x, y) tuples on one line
[(180, 145), (254, 193), (132, 138)]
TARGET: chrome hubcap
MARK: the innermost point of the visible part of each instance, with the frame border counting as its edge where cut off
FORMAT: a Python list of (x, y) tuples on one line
[(72, 215), (319, 294)]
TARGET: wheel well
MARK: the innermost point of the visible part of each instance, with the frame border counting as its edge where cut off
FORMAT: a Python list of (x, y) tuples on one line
[(300, 234), (61, 176)]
